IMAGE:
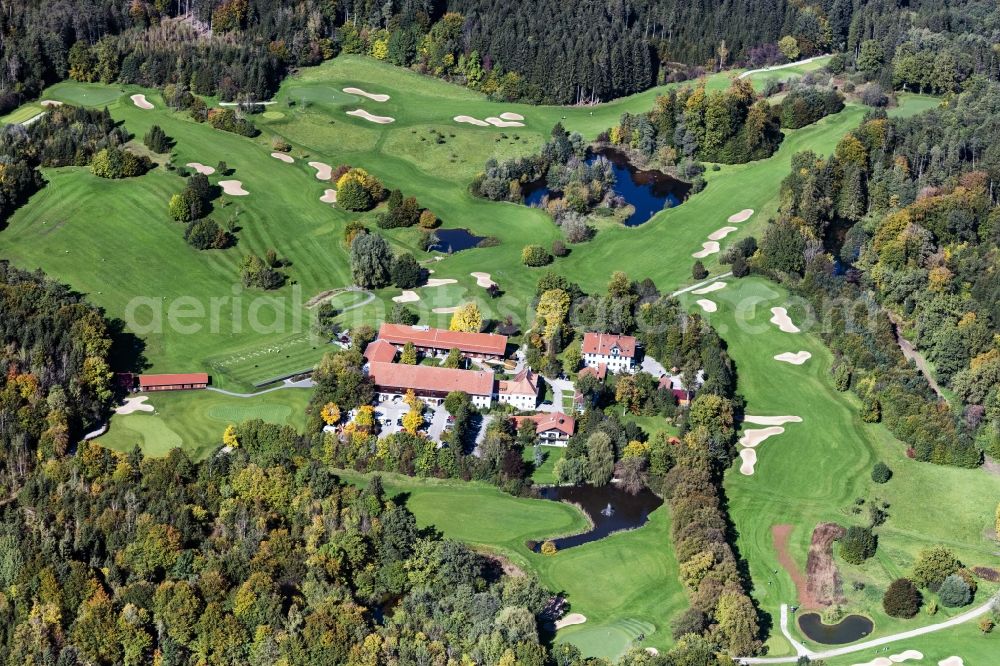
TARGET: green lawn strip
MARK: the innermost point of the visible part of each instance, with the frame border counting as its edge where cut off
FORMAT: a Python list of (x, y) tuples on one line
[(625, 584), (544, 474), (816, 469), (195, 420), (965, 641)]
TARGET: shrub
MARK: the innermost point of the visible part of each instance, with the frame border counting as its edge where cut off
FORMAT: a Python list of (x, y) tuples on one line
[(549, 548), (698, 271), (117, 163), (535, 255), (954, 592), (255, 273), (933, 565), (902, 599), (858, 544), (156, 140), (428, 220), (986, 625), (559, 248), (227, 121), (369, 183), (206, 235), (740, 266), (405, 272), (353, 196), (873, 95), (881, 473), (280, 145)]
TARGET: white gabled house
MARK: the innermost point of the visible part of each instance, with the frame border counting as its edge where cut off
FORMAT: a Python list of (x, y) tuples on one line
[(616, 352)]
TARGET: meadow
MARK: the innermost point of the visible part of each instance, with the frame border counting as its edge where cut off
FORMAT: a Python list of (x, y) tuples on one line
[(817, 470), (625, 584)]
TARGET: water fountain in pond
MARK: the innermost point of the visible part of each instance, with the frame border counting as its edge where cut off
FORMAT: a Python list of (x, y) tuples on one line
[(607, 511), (610, 509)]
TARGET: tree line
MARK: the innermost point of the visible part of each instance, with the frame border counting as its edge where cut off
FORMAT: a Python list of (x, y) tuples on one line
[(907, 210)]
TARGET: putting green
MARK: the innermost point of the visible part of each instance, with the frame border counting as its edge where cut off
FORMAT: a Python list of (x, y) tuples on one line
[(273, 115)]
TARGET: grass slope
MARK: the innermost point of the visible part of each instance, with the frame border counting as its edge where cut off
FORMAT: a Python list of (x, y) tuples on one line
[(816, 470)]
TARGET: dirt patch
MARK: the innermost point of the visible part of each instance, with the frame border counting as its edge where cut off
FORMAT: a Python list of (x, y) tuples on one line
[(823, 584), (779, 536), (990, 465)]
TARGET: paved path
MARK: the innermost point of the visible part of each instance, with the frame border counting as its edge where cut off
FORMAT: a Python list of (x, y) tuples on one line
[(751, 72), (302, 383), (699, 285), (867, 645)]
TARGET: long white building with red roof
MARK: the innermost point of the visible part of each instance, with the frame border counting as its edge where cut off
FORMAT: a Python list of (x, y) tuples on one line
[(616, 352)]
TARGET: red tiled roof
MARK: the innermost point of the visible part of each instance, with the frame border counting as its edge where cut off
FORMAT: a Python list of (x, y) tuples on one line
[(170, 380), (422, 336), (602, 343), (380, 351), (429, 378), (550, 421), (601, 371), (681, 394), (524, 383)]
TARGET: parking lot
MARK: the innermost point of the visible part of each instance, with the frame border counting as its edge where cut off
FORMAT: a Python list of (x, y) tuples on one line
[(390, 415)]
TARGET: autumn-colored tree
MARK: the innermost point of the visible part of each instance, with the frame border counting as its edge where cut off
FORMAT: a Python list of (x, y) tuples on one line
[(409, 354), (330, 413), (412, 421), (552, 310), (364, 418), (229, 437), (467, 318)]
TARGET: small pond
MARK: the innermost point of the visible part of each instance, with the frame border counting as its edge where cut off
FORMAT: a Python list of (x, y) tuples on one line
[(648, 191), (454, 240), (848, 630), (610, 508)]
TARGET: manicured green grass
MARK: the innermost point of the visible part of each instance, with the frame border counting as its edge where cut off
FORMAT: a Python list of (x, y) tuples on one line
[(625, 584), (195, 420), (544, 474), (816, 470), (21, 114), (965, 641)]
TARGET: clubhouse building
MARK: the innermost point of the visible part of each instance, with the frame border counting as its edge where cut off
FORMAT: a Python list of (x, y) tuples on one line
[(615, 352), (438, 342)]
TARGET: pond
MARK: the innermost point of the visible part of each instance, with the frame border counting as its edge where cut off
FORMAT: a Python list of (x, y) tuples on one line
[(648, 192), (610, 508), (454, 240), (848, 630)]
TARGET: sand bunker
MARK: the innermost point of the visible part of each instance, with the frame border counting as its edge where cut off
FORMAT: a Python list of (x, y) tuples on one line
[(377, 97), (287, 159), (570, 620), (710, 247), (798, 358), (233, 188), (439, 282), (877, 661), (507, 115), (903, 656), (51, 102), (201, 168), (450, 310), (141, 102), (329, 196), (951, 661), (484, 280), (361, 113), (781, 320), (471, 121), (134, 405), (499, 122), (407, 296), (721, 233), (771, 420), (749, 457), (741, 216), (707, 305), (754, 437), (323, 171), (715, 286)]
